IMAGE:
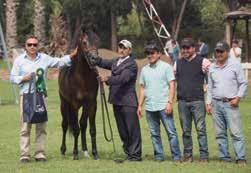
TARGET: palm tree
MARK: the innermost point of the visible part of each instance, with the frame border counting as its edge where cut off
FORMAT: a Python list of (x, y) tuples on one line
[(39, 21), (11, 22)]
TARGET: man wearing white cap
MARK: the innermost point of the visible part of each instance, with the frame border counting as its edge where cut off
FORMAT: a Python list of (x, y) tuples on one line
[(123, 97)]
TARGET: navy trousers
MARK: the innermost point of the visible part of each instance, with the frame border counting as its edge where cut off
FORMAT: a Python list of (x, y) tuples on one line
[(129, 130)]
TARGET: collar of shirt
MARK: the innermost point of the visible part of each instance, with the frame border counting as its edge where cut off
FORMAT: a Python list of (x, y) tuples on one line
[(224, 65), (155, 64), (201, 46), (191, 58), (29, 58), (122, 60)]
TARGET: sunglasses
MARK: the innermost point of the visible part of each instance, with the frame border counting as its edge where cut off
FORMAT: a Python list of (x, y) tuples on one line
[(220, 51), (186, 47), (121, 46), (150, 52), (31, 44)]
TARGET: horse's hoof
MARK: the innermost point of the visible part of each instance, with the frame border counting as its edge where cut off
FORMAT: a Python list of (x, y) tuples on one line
[(63, 153), (96, 157), (62, 150), (75, 157), (86, 154)]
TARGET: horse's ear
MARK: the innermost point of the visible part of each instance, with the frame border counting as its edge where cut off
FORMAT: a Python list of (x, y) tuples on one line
[(84, 30)]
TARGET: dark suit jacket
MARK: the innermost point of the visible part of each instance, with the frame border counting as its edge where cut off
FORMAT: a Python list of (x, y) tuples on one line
[(122, 81), (204, 51)]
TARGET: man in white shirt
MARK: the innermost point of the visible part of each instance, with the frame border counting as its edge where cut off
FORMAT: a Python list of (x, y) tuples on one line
[(235, 51), (23, 68)]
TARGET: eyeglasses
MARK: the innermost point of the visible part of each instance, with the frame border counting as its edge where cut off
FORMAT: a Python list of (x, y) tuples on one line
[(220, 51), (31, 44)]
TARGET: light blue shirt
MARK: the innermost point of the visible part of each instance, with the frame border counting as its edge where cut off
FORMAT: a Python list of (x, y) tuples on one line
[(24, 65), (226, 81), (155, 80)]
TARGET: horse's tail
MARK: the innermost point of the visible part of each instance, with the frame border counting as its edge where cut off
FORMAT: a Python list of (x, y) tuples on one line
[(69, 117), (73, 122)]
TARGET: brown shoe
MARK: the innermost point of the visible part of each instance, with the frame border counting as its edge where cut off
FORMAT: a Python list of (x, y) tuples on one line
[(241, 162), (187, 159), (177, 161), (204, 161), (225, 161), (40, 159)]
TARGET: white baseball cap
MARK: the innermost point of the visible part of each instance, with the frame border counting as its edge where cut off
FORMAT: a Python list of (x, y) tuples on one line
[(126, 43)]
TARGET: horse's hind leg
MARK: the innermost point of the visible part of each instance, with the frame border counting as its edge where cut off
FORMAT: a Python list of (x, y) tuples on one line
[(64, 124), (92, 121), (73, 122), (83, 126)]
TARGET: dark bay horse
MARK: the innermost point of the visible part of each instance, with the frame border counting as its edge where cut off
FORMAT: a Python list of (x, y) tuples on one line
[(78, 86)]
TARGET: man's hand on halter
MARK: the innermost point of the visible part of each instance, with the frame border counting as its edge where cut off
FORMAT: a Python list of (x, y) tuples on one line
[(74, 54), (95, 59)]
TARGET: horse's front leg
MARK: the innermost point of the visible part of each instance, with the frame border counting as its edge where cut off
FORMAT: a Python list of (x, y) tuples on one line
[(64, 125), (63, 145), (83, 127)]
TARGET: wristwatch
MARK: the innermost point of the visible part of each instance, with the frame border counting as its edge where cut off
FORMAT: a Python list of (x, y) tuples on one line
[(169, 101)]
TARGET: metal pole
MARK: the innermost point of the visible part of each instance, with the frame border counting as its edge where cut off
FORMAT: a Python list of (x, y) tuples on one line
[(7, 60), (247, 40)]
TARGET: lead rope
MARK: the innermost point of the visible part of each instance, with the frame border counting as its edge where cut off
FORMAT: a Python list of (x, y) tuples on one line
[(104, 107)]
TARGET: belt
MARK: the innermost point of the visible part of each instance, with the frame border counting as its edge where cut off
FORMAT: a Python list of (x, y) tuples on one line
[(224, 99), (190, 100)]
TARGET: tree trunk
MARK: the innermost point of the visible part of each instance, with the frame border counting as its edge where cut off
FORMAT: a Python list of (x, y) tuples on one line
[(11, 24), (113, 31), (174, 16), (39, 21), (180, 19), (139, 12), (228, 32)]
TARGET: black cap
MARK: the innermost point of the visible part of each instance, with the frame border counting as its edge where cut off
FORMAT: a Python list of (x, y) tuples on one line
[(188, 42), (151, 47), (222, 45)]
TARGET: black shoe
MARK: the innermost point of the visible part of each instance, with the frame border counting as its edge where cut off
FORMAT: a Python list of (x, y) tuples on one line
[(134, 159), (24, 161), (40, 159)]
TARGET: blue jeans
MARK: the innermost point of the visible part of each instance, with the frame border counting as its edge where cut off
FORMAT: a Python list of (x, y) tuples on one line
[(153, 119), (226, 116), (188, 111)]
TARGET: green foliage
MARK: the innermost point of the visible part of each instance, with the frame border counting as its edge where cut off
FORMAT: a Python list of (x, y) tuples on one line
[(121, 7), (129, 25), (24, 19), (202, 18), (212, 12)]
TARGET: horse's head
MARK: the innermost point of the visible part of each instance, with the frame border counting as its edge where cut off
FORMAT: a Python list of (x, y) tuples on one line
[(88, 43)]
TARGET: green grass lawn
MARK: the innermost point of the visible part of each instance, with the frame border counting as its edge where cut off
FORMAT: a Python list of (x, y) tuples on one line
[(9, 144)]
